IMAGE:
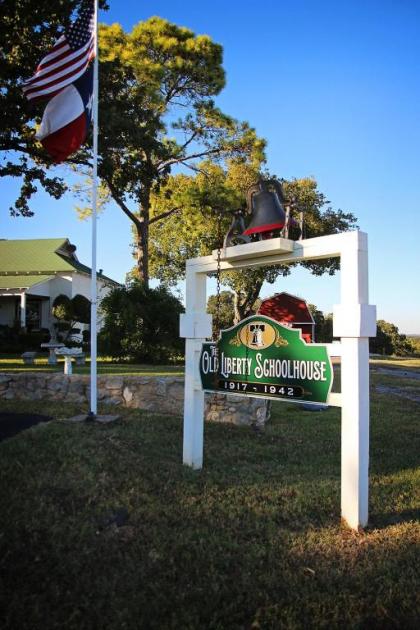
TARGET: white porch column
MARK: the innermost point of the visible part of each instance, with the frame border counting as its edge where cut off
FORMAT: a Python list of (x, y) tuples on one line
[(23, 309), (195, 326), (355, 322)]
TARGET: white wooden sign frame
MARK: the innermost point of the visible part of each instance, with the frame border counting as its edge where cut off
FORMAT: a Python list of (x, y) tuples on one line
[(354, 321)]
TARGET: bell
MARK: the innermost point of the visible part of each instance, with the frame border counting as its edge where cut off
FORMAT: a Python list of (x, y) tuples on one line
[(265, 206)]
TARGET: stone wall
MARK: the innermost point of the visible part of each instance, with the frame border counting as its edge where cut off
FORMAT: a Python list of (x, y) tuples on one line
[(158, 394)]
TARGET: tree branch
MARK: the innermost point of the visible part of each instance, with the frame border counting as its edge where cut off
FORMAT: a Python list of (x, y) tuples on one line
[(39, 154), (121, 203), (181, 149), (163, 215), (195, 169), (193, 156), (249, 301), (15, 146)]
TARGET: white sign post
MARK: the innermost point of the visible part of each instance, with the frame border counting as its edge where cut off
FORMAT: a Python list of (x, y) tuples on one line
[(354, 321)]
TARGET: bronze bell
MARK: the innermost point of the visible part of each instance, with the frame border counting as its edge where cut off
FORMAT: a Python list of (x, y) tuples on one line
[(265, 207)]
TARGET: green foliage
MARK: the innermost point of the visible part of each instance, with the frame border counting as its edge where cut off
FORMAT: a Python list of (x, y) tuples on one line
[(194, 230), (76, 309), (415, 342), (81, 309), (69, 311), (320, 219), (158, 83), (141, 324), (388, 340), (323, 325), (62, 308), (223, 317)]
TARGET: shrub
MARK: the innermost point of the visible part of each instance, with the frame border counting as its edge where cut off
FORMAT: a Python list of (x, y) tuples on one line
[(15, 340), (389, 340), (141, 324), (415, 342), (67, 312)]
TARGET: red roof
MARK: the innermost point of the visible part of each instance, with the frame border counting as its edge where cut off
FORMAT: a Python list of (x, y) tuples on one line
[(284, 307)]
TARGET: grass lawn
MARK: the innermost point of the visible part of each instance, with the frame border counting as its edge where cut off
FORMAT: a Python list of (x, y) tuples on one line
[(14, 363), (252, 541), (404, 363)]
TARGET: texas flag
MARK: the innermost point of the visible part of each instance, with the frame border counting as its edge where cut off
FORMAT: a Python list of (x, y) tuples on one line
[(67, 118)]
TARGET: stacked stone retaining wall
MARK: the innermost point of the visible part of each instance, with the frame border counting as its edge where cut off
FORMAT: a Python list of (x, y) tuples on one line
[(157, 394)]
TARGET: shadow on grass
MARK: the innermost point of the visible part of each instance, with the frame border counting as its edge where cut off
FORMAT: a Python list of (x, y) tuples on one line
[(13, 423), (383, 520)]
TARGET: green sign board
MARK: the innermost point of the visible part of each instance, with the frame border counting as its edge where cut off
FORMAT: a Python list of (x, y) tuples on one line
[(260, 357)]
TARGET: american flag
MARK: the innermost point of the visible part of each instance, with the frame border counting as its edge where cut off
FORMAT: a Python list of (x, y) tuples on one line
[(67, 60)]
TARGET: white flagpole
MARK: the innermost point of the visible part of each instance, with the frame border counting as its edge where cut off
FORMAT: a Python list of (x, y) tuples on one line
[(93, 290)]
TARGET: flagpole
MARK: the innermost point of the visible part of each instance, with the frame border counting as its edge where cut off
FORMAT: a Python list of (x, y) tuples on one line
[(94, 290)]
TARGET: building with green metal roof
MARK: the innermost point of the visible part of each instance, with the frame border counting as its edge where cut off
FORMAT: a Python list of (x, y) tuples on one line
[(33, 272)]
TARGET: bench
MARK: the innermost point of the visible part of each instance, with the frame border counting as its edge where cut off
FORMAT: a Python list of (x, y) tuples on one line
[(69, 354), (29, 358)]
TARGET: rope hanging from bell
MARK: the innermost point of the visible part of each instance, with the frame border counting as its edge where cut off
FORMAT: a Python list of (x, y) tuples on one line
[(216, 327)]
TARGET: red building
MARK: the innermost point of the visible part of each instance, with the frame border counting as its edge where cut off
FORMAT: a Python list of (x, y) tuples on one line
[(291, 311)]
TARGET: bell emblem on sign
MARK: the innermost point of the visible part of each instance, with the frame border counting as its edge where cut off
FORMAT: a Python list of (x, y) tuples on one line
[(257, 334)]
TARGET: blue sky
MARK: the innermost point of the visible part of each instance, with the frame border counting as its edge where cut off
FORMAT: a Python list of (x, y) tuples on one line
[(334, 88)]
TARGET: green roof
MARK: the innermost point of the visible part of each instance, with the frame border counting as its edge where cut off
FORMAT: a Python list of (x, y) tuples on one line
[(33, 255), (21, 282), (35, 258)]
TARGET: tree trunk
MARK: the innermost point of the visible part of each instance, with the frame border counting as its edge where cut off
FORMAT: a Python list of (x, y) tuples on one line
[(142, 239), (243, 302), (142, 251), (237, 307)]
